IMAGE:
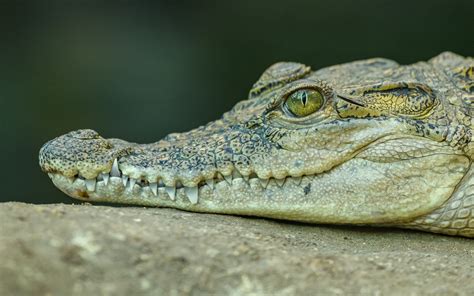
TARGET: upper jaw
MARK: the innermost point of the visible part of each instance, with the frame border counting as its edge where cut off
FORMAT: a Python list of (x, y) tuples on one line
[(203, 156), (107, 186)]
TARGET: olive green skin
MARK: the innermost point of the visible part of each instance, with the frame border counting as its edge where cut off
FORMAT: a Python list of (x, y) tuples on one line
[(367, 142)]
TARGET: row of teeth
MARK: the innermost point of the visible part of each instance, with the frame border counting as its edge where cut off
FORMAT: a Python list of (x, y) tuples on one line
[(192, 193)]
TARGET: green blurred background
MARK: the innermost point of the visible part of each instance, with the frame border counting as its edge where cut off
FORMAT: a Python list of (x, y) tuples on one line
[(139, 70)]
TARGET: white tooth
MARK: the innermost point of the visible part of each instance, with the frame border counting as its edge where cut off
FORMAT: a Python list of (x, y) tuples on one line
[(171, 192), (90, 184), (106, 178), (280, 182), (210, 183), (228, 179), (297, 180), (131, 183), (161, 183), (192, 193), (115, 172), (264, 182), (124, 180), (236, 174), (272, 182), (154, 188), (246, 178), (255, 184)]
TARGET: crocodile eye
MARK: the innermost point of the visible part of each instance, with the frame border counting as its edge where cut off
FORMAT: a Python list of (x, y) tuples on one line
[(304, 102)]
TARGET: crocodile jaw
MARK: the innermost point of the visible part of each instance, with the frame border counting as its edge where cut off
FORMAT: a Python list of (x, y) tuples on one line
[(387, 145), (377, 175), (357, 191)]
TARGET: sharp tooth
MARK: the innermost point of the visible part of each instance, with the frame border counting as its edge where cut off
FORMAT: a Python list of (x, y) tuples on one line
[(280, 182), (115, 172), (236, 174), (192, 193), (297, 180), (255, 184), (106, 178), (90, 184), (264, 182), (161, 183), (228, 179), (50, 175), (154, 188), (219, 176), (131, 183), (171, 192), (246, 178), (210, 183), (124, 180)]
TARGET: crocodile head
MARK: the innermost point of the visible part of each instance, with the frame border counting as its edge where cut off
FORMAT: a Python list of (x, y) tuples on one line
[(364, 142)]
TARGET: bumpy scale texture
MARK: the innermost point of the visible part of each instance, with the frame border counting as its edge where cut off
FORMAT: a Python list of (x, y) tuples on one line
[(389, 145)]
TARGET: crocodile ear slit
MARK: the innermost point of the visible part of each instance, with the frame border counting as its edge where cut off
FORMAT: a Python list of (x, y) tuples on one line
[(352, 100)]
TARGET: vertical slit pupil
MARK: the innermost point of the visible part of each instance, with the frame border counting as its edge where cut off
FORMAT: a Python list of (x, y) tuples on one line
[(304, 98)]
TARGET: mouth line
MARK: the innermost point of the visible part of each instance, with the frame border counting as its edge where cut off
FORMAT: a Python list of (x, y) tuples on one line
[(115, 182), (125, 184), (191, 192)]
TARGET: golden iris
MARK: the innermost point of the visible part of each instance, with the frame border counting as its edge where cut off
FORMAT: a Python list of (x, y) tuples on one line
[(304, 102)]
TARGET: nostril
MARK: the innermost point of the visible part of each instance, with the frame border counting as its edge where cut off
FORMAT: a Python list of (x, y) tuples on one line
[(85, 134)]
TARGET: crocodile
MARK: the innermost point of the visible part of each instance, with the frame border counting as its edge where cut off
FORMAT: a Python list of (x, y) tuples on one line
[(369, 142)]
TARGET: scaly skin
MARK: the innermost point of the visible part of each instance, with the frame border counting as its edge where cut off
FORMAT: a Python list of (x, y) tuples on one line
[(390, 145)]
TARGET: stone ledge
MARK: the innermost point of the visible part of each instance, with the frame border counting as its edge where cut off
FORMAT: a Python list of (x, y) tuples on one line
[(99, 250)]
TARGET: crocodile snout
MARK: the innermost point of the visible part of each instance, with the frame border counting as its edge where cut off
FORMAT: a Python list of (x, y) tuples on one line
[(81, 152)]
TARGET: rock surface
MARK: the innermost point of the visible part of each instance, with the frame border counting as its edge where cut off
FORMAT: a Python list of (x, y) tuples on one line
[(100, 250)]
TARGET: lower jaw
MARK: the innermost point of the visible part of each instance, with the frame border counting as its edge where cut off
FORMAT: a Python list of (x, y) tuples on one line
[(356, 192)]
